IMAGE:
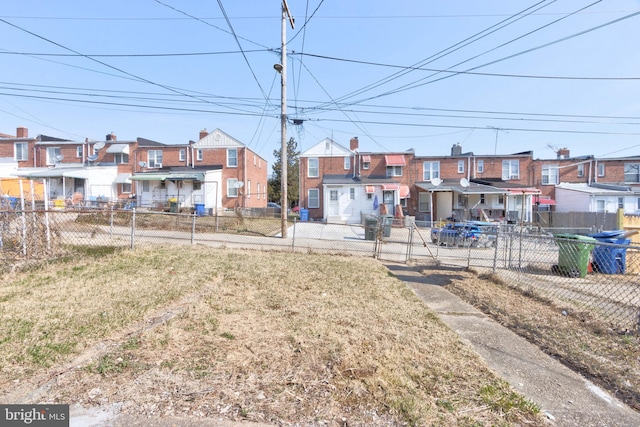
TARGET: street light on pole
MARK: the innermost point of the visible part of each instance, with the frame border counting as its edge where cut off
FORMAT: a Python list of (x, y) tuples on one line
[(282, 69)]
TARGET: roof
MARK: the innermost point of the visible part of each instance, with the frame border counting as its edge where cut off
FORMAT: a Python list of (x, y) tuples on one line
[(327, 148), (456, 186), (349, 179), (601, 189), (218, 138)]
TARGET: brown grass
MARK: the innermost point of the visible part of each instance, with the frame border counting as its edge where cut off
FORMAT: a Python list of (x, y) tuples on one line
[(577, 339), (274, 337)]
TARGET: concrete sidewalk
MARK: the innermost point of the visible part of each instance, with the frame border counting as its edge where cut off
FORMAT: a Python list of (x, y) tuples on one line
[(565, 397)]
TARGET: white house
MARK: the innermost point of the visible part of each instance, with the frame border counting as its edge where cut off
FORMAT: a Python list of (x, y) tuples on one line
[(572, 197)]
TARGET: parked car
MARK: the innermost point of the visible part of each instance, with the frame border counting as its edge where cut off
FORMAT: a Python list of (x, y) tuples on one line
[(457, 234), (276, 207), (489, 233)]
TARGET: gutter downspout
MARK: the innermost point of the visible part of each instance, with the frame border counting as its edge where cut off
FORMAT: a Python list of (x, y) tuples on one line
[(590, 172)]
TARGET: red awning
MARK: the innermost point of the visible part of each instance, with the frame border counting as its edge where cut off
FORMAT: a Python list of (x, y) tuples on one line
[(395, 160), (366, 159), (390, 187), (545, 201), (404, 191), (369, 189)]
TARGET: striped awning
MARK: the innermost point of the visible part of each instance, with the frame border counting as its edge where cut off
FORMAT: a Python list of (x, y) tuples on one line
[(395, 160), (366, 159), (390, 187), (369, 189), (404, 192)]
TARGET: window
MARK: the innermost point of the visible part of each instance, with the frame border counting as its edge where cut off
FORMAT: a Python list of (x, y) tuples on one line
[(510, 169), (53, 155), (352, 193), (197, 185), (365, 165), (258, 190), (631, 172), (394, 170), (369, 196), (580, 170), (424, 202), (314, 198), (154, 159), (463, 200), (313, 168), (182, 155), (501, 199), (232, 157), (199, 154), (79, 151), (600, 205), (145, 186), (254, 160), (600, 169), (232, 189), (460, 166), (550, 174), (430, 170), (333, 195), (121, 158), (482, 199), (620, 202), (248, 189), (21, 151), (480, 166), (126, 187), (347, 163)]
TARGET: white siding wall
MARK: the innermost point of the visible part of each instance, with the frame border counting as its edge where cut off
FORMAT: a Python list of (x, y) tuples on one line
[(572, 201)]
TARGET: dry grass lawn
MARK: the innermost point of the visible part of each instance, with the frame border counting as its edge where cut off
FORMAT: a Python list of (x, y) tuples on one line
[(282, 338)]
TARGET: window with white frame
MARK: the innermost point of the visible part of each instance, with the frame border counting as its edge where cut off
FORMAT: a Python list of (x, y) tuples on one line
[(182, 155), (501, 199), (314, 198), (258, 190), (482, 199), (424, 202), (313, 169), (352, 193), (232, 157), (146, 187), (394, 170), (53, 155), (21, 150), (460, 166), (510, 169), (248, 189), (430, 170), (121, 158), (632, 172), (232, 188), (366, 165), (254, 160), (480, 166), (154, 158), (580, 170), (620, 202), (550, 174), (197, 185), (600, 169), (347, 163), (463, 200), (601, 205), (79, 151), (126, 187)]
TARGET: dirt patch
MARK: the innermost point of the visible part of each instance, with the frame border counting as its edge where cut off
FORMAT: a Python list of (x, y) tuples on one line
[(577, 339)]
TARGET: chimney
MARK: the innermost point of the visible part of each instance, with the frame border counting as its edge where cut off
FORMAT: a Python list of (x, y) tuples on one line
[(563, 153), (203, 133), (22, 132), (111, 137), (456, 150), (353, 144)]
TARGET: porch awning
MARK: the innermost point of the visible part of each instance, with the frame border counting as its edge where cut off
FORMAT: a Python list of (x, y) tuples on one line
[(366, 159), (395, 160), (390, 187), (196, 176), (150, 177), (122, 178), (369, 189), (544, 201), (49, 173), (404, 192), (118, 148), (515, 191)]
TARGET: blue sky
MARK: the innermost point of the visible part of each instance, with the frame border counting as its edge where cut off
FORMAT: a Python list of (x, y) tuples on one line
[(538, 75)]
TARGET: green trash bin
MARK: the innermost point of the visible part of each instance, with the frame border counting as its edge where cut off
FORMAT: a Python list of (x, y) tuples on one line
[(370, 227), (387, 221), (573, 254), (173, 207)]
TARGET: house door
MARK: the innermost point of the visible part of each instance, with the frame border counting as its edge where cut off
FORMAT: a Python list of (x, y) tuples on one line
[(334, 203), (389, 200), (78, 185)]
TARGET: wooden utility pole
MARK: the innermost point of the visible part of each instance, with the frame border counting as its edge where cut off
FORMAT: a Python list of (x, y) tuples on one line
[(283, 120)]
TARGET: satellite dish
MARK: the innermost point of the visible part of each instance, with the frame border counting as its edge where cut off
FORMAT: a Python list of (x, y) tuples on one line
[(92, 157), (436, 181), (142, 164), (464, 182), (98, 145), (59, 157), (239, 184)]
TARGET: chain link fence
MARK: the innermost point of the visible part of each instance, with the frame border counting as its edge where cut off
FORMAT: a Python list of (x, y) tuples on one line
[(596, 276)]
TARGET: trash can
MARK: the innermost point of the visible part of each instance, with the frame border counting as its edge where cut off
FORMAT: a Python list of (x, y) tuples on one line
[(199, 209), (13, 202), (387, 220), (304, 214), (573, 254), (370, 227), (173, 207), (609, 259)]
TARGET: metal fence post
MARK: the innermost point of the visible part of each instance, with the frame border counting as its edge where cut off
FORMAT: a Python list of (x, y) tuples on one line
[(193, 228), (410, 244), (495, 252), (293, 238), (133, 226), (111, 222)]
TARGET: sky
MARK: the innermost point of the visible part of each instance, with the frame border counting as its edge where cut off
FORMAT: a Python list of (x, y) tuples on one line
[(495, 77)]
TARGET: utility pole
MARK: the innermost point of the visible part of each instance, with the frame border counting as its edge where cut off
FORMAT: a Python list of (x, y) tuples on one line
[(282, 67)]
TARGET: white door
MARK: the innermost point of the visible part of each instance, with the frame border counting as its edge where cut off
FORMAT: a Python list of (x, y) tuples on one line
[(334, 203), (388, 198)]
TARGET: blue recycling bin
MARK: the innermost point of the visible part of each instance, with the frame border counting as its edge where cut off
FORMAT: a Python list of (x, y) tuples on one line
[(199, 209), (610, 259), (304, 214), (13, 202)]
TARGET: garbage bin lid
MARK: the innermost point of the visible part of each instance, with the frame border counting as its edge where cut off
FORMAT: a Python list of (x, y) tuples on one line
[(613, 234), (585, 239)]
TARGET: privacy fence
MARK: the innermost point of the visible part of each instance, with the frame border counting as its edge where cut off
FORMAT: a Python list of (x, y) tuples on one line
[(599, 276)]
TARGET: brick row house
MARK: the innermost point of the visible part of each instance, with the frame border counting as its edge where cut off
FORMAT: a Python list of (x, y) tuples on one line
[(216, 175), (344, 184)]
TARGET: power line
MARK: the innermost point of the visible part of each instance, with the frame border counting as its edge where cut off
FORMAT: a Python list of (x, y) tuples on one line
[(135, 55)]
